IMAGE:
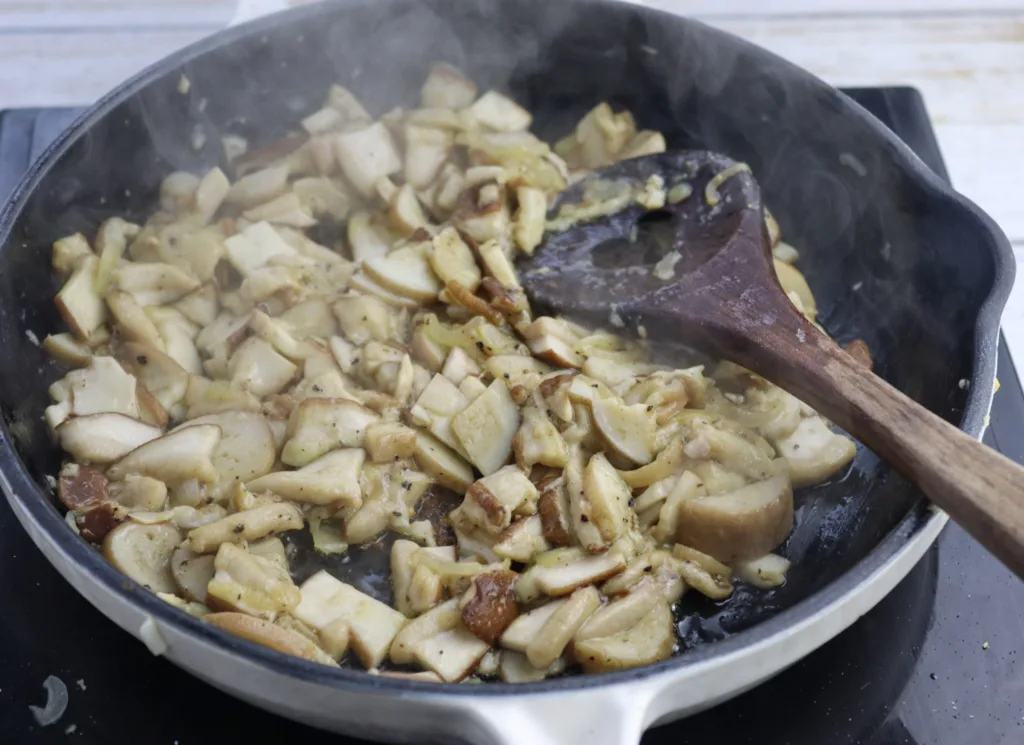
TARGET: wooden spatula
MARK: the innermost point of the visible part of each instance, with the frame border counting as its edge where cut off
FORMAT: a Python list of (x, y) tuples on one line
[(699, 271)]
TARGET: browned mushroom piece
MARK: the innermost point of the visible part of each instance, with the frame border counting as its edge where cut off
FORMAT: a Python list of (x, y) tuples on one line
[(490, 605)]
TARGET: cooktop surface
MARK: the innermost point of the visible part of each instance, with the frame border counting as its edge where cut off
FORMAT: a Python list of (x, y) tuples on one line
[(936, 663)]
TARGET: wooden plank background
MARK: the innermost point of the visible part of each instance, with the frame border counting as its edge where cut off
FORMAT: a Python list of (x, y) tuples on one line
[(967, 58)]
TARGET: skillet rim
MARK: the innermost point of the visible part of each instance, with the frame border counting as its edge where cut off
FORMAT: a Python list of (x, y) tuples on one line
[(18, 484)]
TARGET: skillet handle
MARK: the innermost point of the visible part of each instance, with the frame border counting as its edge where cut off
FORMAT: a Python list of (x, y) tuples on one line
[(981, 489), (598, 716)]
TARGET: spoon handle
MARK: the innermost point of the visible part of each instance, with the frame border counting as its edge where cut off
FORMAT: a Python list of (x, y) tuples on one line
[(980, 488)]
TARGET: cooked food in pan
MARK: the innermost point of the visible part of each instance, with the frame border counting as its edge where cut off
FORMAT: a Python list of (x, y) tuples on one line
[(335, 341)]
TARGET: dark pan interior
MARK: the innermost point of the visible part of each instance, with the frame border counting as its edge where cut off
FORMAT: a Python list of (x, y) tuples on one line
[(891, 258)]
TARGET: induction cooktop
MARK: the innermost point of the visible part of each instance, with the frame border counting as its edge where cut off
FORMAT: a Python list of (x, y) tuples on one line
[(936, 663)]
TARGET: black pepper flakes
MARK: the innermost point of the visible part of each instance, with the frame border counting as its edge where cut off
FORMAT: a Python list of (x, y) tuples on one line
[(142, 359), (584, 519), (507, 376), (239, 528), (480, 345)]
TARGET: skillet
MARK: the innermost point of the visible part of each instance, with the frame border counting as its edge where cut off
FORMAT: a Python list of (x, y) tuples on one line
[(892, 254)]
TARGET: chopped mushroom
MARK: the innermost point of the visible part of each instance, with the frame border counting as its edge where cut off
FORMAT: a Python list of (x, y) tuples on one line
[(269, 635), (372, 624), (250, 584), (336, 336), (104, 438)]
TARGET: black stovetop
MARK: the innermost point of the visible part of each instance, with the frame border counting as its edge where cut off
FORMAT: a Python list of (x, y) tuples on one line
[(934, 664)]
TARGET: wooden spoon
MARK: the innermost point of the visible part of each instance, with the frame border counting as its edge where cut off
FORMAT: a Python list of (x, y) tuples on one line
[(699, 271)]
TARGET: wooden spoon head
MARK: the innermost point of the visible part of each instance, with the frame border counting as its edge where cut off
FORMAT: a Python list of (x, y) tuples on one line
[(702, 261)]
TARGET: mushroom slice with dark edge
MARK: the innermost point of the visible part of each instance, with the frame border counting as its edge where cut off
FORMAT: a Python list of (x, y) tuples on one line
[(438, 619), (85, 492), (143, 552), (744, 524), (490, 605), (452, 654), (264, 632), (522, 631), (767, 572), (521, 540), (562, 580), (650, 640)]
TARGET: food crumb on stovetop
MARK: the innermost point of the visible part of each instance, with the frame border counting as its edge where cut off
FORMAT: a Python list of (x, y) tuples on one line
[(985, 645), (70, 729), (80, 683)]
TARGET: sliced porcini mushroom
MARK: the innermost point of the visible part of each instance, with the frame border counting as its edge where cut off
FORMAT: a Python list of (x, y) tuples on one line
[(621, 614), (814, 453), (437, 620), (286, 209), (490, 605), (458, 366), (104, 438), (210, 193), (442, 463), (628, 430), (447, 87), (322, 197), (389, 441), (365, 238), (139, 492), (525, 628), (687, 486), (323, 120), (68, 253), (206, 397), (556, 633), (318, 425), (486, 427), (251, 584), (363, 318), (650, 640), (191, 573), (176, 457), (258, 187), (702, 572), (372, 624), (793, 282), (248, 525), (496, 111), (562, 580), (269, 635), (452, 654), (600, 505), (435, 407), (538, 441), (750, 456), (331, 478), (177, 335), (767, 572), (252, 248), (555, 515), (426, 150), (405, 212), (161, 375), (366, 154), (406, 272), (521, 540), (111, 243), (491, 501), (530, 218), (79, 302), (515, 667), (482, 213), (345, 102), (453, 261), (85, 492), (143, 552), (154, 283), (747, 523), (67, 350), (246, 449), (258, 368)]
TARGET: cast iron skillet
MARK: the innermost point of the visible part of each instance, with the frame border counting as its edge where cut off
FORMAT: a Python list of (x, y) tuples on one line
[(893, 256)]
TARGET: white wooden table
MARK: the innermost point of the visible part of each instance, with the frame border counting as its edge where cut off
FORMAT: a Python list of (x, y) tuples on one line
[(966, 56)]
